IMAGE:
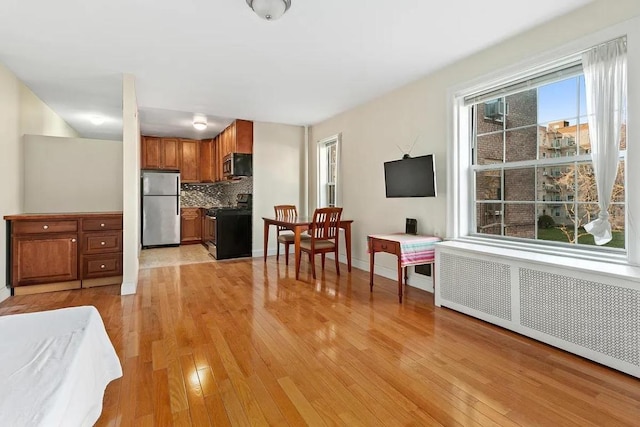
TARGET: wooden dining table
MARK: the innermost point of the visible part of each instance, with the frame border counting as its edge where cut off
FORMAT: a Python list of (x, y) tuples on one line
[(298, 225)]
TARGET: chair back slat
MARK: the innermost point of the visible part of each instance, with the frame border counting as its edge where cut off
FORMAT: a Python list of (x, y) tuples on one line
[(285, 212), (325, 224)]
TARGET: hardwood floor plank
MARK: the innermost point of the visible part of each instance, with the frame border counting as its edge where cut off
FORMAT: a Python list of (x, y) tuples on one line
[(241, 342)]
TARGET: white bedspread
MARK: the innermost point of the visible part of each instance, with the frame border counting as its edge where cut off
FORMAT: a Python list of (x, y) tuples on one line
[(54, 367)]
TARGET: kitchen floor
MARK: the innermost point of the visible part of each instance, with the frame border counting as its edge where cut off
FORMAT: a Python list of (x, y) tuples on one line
[(174, 256)]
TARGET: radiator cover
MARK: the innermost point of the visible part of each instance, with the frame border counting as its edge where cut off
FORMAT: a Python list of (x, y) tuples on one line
[(590, 315)]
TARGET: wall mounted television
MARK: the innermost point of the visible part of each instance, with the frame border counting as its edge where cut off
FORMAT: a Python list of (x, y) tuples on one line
[(410, 177)]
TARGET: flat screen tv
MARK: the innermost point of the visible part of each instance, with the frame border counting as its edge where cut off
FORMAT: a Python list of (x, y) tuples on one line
[(410, 177)]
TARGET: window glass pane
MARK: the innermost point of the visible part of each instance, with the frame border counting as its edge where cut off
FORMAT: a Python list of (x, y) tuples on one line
[(521, 109), (558, 102), (519, 184), (489, 218), (489, 185), (586, 184), (617, 195), (556, 224), (521, 144), (520, 220), (490, 116), (490, 149)]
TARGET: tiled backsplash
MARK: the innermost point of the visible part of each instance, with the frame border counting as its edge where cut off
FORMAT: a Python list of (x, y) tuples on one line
[(212, 195)]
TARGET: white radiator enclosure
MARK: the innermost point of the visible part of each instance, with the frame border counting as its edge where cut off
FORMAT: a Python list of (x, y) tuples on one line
[(588, 308)]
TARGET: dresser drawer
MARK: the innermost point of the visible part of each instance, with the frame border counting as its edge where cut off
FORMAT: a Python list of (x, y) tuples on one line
[(385, 246), (97, 243), (44, 227), (100, 224), (104, 265)]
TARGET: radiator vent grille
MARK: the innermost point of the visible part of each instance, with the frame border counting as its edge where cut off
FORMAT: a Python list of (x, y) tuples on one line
[(481, 285), (593, 315)]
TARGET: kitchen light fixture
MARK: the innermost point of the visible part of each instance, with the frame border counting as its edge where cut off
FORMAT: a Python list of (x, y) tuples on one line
[(200, 124), (97, 120), (269, 9)]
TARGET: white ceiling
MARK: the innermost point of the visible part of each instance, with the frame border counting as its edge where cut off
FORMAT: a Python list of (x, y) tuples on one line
[(217, 58)]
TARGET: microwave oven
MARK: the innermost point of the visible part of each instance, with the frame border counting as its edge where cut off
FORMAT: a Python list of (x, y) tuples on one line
[(237, 164)]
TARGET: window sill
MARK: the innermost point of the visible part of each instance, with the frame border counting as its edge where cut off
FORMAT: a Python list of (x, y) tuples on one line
[(609, 265)]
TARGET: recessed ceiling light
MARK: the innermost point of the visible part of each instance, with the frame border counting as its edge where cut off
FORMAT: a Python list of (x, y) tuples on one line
[(97, 120)]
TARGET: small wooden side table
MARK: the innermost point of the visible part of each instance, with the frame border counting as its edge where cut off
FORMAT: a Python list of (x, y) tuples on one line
[(409, 248)]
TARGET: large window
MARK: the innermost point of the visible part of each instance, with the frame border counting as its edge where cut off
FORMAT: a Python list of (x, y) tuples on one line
[(531, 174), (328, 171)]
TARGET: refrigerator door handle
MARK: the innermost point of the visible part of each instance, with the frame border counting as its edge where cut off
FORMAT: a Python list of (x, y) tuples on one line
[(178, 195)]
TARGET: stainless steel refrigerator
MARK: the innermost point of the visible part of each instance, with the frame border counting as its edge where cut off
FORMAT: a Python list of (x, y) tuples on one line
[(160, 208)]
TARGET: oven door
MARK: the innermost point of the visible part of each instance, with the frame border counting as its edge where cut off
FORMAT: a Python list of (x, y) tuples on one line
[(210, 234)]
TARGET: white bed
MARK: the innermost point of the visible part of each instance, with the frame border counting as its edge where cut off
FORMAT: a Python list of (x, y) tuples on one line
[(54, 367)]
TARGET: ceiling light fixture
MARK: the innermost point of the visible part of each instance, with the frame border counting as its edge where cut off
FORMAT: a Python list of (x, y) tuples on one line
[(269, 9), (200, 124), (97, 120)]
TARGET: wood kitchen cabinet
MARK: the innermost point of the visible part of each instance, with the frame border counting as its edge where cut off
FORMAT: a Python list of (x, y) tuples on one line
[(44, 251), (190, 225), (237, 138), (101, 251), (190, 160), (64, 251), (208, 171), (160, 153)]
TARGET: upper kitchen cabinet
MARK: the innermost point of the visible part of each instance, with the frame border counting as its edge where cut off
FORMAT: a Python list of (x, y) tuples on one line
[(208, 169), (190, 160), (160, 153), (237, 138)]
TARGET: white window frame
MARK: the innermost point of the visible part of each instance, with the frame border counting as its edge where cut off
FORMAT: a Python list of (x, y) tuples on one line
[(322, 171), (460, 209)]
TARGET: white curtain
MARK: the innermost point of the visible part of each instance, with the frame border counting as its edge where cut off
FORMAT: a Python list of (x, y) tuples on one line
[(605, 74)]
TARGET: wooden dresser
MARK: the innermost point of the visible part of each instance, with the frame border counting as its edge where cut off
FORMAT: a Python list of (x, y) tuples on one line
[(50, 252)]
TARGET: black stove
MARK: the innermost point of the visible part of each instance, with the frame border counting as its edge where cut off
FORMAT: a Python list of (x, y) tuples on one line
[(230, 235), (243, 207)]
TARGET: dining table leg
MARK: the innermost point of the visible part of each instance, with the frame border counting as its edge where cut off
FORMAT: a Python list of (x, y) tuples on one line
[(296, 241), (266, 238), (347, 241)]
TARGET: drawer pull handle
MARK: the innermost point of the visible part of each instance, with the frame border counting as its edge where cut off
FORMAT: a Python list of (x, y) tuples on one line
[(102, 225), (46, 227), (103, 243), (73, 240), (102, 266), (384, 247)]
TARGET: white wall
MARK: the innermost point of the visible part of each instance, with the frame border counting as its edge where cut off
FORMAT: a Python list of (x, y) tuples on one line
[(72, 174), (278, 175), (10, 162), (37, 118), (131, 185), (371, 133), (20, 112)]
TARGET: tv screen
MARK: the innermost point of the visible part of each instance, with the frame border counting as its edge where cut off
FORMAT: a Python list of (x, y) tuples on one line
[(411, 177)]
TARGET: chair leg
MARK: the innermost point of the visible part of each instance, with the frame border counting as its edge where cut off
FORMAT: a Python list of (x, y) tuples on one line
[(323, 260), (337, 263), (277, 250), (286, 253), (298, 262), (312, 259)]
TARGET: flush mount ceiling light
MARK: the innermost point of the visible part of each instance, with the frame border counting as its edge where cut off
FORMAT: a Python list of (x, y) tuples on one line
[(200, 124), (269, 9), (97, 120)]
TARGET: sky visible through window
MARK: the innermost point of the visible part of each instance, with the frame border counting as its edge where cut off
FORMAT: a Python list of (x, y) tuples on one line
[(561, 100)]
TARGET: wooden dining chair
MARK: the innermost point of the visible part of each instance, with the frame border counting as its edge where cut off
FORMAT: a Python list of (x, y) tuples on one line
[(324, 231), (284, 235)]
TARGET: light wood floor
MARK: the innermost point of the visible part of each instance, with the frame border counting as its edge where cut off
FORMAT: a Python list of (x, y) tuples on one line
[(241, 342)]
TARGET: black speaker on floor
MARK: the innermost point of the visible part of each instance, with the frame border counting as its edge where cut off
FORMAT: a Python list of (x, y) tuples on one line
[(411, 226)]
